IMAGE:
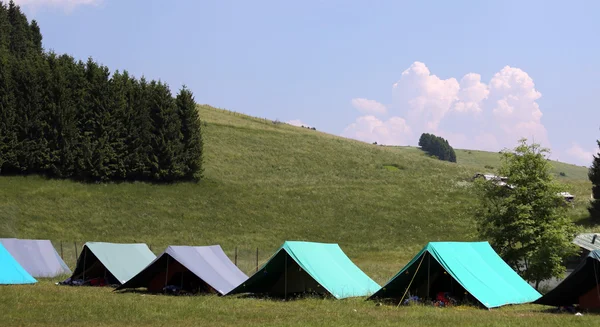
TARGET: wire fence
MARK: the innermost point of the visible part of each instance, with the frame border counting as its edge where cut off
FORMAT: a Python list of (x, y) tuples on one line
[(248, 259)]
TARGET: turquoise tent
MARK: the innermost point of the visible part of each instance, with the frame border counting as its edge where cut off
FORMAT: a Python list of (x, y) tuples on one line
[(103, 263), (11, 271), (307, 267), (470, 271)]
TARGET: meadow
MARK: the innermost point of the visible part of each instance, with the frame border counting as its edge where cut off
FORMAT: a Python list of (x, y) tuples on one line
[(266, 182)]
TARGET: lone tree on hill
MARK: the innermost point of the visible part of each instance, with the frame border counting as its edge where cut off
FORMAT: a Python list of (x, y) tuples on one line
[(437, 146), (594, 175), (527, 223)]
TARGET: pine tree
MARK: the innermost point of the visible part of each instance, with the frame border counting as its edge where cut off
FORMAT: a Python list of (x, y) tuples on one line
[(594, 176), (192, 135)]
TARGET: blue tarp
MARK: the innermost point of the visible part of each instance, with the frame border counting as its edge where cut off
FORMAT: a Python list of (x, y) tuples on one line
[(11, 271)]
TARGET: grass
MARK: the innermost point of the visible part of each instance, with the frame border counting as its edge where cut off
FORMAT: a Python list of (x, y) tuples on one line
[(265, 183), (46, 304)]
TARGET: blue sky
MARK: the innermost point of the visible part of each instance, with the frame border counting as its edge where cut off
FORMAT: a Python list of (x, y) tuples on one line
[(480, 73)]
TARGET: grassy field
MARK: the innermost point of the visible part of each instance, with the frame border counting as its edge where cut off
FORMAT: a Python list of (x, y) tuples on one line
[(265, 183)]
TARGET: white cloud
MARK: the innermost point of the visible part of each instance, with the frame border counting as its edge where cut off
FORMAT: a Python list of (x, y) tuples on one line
[(580, 155), (66, 4), (371, 129), (368, 106), (470, 113), (296, 122)]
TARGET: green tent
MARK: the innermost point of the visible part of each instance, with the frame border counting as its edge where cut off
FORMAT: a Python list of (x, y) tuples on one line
[(109, 263), (470, 271), (307, 267)]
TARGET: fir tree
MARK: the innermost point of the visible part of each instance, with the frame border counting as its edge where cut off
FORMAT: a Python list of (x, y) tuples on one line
[(192, 135)]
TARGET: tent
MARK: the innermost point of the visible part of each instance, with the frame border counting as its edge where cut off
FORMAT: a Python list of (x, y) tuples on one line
[(11, 271), (189, 268), (38, 257), (469, 271), (109, 263), (580, 287), (306, 267)]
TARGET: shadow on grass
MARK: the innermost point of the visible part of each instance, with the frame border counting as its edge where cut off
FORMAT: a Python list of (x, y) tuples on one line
[(281, 298)]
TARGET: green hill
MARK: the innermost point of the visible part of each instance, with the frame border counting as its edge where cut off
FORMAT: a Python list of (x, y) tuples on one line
[(266, 182)]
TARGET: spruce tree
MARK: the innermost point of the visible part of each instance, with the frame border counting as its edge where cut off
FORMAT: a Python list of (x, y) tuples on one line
[(167, 143), (594, 176), (8, 138), (139, 131), (192, 135)]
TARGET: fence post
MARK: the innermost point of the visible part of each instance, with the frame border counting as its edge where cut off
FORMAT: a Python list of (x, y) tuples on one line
[(257, 258), (235, 257), (61, 251), (76, 255)]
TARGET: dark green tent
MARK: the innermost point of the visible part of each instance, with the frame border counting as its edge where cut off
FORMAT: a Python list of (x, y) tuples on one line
[(580, 287)]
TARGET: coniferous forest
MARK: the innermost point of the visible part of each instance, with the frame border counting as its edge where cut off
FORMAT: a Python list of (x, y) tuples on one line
[(64, 118), (437, 146)]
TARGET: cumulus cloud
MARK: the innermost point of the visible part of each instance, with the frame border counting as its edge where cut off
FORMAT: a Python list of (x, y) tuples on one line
[(582, 156), (470, 113), (368, 106), (371, 129), (296, 122), (66, 4)]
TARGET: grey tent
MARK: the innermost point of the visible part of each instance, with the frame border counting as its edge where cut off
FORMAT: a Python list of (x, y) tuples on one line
[(189, 268), (37, 257)]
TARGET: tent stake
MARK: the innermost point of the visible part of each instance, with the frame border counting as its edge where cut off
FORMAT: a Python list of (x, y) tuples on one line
[(235, 257), (76, 255), (256, 258), (413, 278), (61, 251)]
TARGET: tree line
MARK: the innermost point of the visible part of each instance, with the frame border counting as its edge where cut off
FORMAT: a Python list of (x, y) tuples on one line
[(66, 118), (437, 146)]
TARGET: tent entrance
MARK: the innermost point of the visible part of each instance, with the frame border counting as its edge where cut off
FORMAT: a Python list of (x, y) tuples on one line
[(286, 279), (91, 272), (429, 282), (172, 277)]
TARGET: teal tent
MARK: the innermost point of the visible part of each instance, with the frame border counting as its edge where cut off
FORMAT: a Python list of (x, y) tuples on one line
[(307, 267), (11, 272), (109, 263), (470, 271)]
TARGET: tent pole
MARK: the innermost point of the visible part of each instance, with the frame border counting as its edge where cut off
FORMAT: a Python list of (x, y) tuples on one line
[(413, 278), (285, 278), (428, 273), (84, 257), (166, 275)]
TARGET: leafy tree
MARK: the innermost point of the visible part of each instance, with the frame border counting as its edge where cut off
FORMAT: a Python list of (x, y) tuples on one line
[(527, 223), (192, 136), (594, 176)]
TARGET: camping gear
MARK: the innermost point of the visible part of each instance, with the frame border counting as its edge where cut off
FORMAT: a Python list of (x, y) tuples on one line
[(37, 257), (116, 263), (11, 271), (467, 270), (307, 267), (190, 269), (580, 287)]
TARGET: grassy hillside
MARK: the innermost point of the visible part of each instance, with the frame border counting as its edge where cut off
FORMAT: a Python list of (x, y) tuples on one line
[(265, 183)]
